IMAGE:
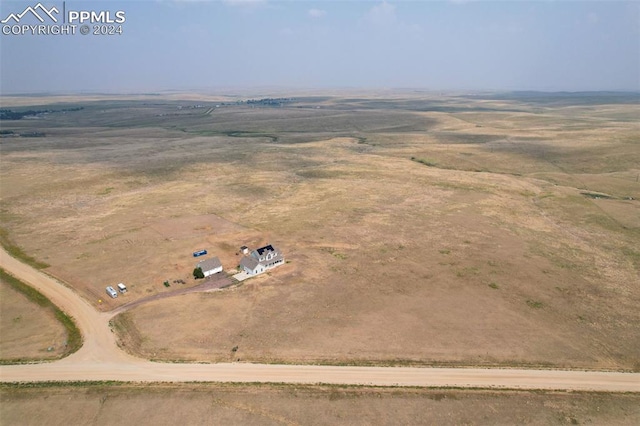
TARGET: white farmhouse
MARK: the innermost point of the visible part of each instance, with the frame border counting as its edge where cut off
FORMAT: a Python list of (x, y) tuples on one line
[(262, 259), (210, 266)]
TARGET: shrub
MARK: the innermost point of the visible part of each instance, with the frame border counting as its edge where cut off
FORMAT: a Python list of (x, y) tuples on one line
[(197, 273)]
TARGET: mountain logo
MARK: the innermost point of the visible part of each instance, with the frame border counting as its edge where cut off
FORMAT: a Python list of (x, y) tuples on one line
[(38, 11)]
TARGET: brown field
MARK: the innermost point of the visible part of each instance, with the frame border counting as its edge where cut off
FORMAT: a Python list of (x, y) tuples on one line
[(420, 229), (306, 405), (26, 330)]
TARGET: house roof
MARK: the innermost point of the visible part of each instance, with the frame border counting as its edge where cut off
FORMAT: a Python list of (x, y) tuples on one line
[(249, 262), (268, 247), (209, 264)]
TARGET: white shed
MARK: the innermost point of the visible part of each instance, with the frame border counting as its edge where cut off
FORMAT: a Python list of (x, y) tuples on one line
[(210, 266)]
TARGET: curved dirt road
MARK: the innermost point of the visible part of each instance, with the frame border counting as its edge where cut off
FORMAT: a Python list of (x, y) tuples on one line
[(101, 359)]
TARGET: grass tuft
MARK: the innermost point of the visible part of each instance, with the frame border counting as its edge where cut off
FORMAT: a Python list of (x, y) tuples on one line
[(426, 162), (534, 304)]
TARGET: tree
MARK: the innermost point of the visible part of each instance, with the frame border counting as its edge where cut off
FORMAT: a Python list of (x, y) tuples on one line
[(197, 273)]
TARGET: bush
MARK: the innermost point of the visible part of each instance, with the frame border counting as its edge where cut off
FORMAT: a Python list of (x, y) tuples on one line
[(197, 273)]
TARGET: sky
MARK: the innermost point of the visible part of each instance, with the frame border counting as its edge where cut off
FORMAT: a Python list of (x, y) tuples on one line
[(546, 45)]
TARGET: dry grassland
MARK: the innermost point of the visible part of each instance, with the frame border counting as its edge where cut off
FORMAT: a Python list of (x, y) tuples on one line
[(303, 405), (419, 229), (26, 330)]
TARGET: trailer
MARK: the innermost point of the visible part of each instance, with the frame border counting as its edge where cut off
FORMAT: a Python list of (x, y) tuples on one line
[(199, 253), (111, 292)]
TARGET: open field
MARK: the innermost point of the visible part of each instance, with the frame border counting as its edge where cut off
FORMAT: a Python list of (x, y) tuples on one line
[(27, 331), (305, 405), (100, 359), (420, 229)]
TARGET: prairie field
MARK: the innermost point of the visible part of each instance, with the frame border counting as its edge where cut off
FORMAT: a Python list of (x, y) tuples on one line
[(418, 228), (167, 404), (27, 332)]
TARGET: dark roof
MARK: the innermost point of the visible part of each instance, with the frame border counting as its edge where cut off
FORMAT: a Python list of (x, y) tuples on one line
[(249, 262), (209, 264), (244, 248), (265, 248)]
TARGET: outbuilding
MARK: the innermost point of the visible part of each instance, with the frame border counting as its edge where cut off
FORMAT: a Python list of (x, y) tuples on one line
[(210, 266)]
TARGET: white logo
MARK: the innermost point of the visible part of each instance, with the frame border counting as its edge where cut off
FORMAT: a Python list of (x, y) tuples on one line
[(34, 11), (52, 22)]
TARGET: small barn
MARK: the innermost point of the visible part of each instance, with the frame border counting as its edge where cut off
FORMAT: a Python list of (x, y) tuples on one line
[(210, 266)]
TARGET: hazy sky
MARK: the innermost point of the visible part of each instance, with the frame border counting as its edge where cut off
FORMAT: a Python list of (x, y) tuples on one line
[(185, 44)]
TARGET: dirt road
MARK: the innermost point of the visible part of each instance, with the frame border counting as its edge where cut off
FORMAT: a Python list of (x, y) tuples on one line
[(211, 283), (101, 359)]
